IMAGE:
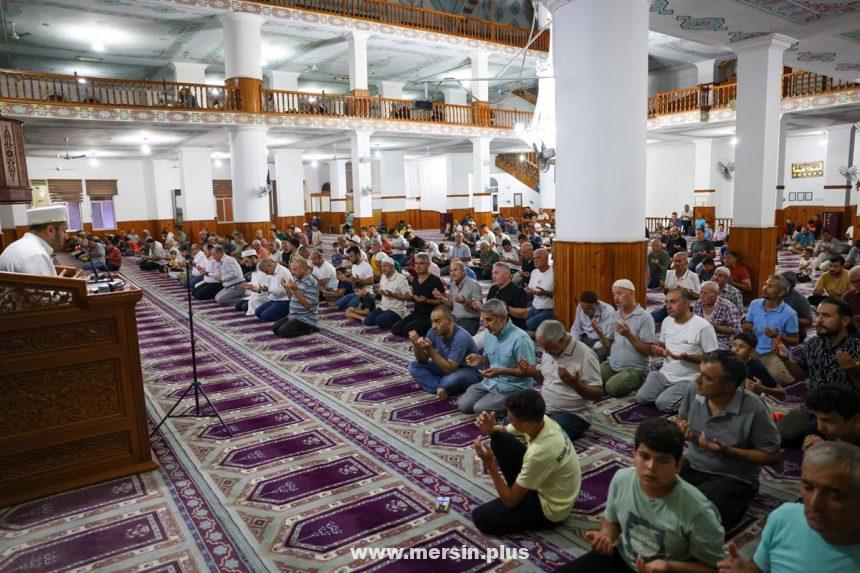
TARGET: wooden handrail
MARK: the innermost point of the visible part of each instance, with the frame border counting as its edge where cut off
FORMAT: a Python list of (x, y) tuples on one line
[(797, 84), (86, 90), (286, 102), (525, 170), (397, 14), (675, 101)]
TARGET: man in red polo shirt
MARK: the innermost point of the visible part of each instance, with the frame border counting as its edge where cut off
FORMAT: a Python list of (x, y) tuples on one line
[(740, 274)]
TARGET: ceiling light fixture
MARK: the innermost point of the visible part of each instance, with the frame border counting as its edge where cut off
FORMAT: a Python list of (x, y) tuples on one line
[(314, 162), (378, 154), (145, 149), (522, 157), (82, 80), (734, 141), (97, 47), (94, 161), (218, 163)]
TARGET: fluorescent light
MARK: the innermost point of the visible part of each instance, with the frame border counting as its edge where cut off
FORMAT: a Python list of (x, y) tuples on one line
[(97, 47), (823, 141), (218, 163), (734, 141), (145, 149), (314, 162), (94, 160)]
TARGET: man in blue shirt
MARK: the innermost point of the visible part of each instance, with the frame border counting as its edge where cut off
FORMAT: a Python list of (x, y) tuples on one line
[(440, 357), (770, 318), (822, 534), (504, 345)]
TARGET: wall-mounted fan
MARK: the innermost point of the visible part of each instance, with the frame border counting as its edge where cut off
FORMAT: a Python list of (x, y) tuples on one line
[(726, 169), (545, 156), (851, 173)]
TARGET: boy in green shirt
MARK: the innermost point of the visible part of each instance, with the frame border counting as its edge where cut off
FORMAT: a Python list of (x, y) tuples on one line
[(654, 520)]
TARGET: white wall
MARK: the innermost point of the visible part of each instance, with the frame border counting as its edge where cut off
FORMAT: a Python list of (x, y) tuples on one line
[(674, 78), (721, 150), (428, 179), (509, 185), (800, 150), (669, 178)]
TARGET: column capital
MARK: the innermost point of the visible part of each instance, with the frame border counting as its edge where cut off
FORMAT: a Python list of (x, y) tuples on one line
[(776, 41), (283, 80), (249, 128), (358, 35), (356, 133), (247, 17), (481, 139)]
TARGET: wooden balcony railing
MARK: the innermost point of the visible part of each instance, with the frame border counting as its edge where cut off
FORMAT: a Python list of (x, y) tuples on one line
[(524, 170), (332, 105), (675, 101), (652, 223), (85, 90), (798, 84), (723, 95), (397, 14)]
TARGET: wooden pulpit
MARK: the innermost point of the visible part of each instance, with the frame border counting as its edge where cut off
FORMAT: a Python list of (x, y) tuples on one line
[(72, 409)]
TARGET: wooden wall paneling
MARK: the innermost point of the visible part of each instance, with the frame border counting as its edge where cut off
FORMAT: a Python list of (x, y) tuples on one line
[(391, 218), (459, 214), (291, 221), (779, 220), (193, 228), (359, 222), (707, 213), (482, 218), (757, 250), (578, 267)]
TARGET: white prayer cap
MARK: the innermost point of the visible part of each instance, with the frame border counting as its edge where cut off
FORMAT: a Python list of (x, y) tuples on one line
[(47, 214), (380, 256), (249, 253), (723, 271), (624, 283), (387, 259)]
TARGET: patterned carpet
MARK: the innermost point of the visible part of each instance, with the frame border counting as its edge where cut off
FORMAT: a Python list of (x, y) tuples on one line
[(334, 447)]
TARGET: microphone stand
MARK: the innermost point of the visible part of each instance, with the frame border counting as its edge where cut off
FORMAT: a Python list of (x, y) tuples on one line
[(195, 384)]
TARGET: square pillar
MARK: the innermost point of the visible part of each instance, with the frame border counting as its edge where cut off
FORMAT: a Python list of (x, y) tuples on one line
[(392, 90), (393, 184), (279, 80), (289, 175), (362, 184), (195, 180), (482, 198), (357, 40), (481, 114)]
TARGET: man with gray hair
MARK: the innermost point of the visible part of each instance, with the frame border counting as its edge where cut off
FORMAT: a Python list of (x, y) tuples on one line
[(487, 257), (504, 347), (232, 279), (822, 534), (679, 277), (465, 298), (722, 314), (723, 278), (570, 374)]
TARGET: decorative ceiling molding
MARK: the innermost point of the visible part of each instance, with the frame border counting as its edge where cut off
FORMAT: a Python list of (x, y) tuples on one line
[(803, 11)]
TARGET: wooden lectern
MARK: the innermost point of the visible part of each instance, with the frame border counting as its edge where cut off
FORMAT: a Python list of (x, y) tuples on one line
[(72, 407)]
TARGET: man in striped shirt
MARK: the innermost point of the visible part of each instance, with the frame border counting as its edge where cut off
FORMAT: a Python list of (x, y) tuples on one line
[(304, 292)]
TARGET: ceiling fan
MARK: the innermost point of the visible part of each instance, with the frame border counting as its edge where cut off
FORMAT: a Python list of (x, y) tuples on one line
[(15, 35), (68, 156), (59, 167), (312, 68)]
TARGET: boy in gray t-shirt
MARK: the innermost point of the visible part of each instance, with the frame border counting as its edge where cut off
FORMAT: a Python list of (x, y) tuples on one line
[(652, 515)]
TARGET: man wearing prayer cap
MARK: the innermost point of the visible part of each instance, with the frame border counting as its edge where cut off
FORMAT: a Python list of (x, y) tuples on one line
[(31, 254)]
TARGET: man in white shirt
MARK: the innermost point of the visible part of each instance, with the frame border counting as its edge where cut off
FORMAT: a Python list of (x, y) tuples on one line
[(685, 339), (232, 279), (591, 309), (541, 287), (31, 254), (200, 258), (395, 291), (679, 276), (211, 283), (277, 304), (398, 248), (570, 374), (324, 272), (362, 274)]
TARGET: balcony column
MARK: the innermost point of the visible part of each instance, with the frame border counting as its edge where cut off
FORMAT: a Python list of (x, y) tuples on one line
[(195, 180), (545, 122), (753, 234), (337, 176), (243, 55), (779, 212), (289, 174), (706, 71), (702, 180), (279, 80), (600, 209), (393, 90), (454, 96), (480, 90), (837, 190), (393, 183), (482, 198), (357, 40), (248, 169), (362, 183)]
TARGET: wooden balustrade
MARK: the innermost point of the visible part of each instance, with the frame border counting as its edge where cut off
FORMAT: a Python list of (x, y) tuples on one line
[(798, 84), (675, 101), (722, 96), (524, 170), (397, 14), (651, 223), (335, 105), (86, 90)]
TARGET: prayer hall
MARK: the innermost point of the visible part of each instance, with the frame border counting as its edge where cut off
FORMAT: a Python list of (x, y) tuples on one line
[(404, 286)]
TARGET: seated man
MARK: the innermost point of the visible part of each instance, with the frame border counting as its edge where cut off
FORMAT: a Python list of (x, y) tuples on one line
[(628, 341), (722, 314), (324, 272), (465, 298), (277, 300), (487, 257), (723, 276), (826, 249), (423, 286), (504, 346), (570, 374), (837, 415), (588, 311), (852, 297), (304, 303), (679, 277), (685, 339), (211, 283), (654, 520), (831, 357), (659, 262), (200, 260), (232, 279), (440, 356), (153, 257), (834, 282), (361, 274), (731, 434), (539, 481), (540, 287), (740, 277), (701, 249), (771, 320), (395, 291), (822, 534)]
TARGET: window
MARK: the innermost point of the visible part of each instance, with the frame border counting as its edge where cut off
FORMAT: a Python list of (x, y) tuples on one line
[(74, 215), (224, 209), (103, 218)]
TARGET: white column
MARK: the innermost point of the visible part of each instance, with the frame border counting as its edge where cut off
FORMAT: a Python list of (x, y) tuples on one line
[(243, 52), (393, 90), (703, 165), (279, 80), (480, 69), (195, 180), (393, 181), (289, 174), (544, 121), (189, 72), (838, 144), (455, 96), (780, 165), (248, 168), (481, 202), (598, 128), (357, 40), (706, 71), (337, 179), (362, 188), (758, 121)]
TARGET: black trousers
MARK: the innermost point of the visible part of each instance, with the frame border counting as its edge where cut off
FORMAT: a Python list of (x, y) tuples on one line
[(149, 266), (410, 322), (593, 562), (732, 497), (291, 328), (493, 518), (206, 291)]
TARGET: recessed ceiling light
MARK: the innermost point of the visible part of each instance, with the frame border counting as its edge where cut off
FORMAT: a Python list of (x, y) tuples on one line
[(89, 59), (97, 47), (734, 141), (145, 149)]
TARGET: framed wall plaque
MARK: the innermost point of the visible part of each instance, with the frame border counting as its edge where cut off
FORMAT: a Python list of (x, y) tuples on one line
[(807, 170)]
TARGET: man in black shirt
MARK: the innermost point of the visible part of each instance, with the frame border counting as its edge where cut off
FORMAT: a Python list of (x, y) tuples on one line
[(676, 243), (423, 285), (513, 296)]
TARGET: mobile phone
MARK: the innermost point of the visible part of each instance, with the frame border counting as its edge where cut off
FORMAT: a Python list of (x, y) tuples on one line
[(443, 505)]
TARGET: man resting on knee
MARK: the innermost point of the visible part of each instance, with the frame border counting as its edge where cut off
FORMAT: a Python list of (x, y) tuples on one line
[(440, 357), (539, 481)]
